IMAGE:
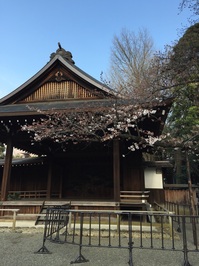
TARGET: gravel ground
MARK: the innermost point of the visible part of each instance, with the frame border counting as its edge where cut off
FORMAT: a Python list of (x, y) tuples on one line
[(18, 247)]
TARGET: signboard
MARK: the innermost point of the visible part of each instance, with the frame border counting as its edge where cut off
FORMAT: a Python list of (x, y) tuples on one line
[(153, 178)]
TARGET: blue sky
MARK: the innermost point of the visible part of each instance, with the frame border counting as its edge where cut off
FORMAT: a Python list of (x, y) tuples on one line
[(31, 29)]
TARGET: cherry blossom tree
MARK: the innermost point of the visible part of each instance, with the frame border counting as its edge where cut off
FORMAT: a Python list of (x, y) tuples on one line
[(120, 120)]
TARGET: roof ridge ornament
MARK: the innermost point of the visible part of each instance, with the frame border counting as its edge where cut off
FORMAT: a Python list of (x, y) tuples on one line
[(65, 54), (59, 45)]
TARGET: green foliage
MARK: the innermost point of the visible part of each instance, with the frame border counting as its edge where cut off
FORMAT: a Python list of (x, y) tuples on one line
[(14, 196), (183, 66), (183, 121), (184, 63)]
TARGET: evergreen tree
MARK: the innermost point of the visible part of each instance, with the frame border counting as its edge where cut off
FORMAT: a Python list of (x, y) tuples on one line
[(182, 72)]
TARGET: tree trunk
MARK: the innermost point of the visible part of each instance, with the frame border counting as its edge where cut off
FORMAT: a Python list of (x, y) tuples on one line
[(191, 198), (178, 162)]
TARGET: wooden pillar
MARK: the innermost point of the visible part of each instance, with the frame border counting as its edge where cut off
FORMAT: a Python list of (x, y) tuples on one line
[(7, 170), (60, 185), (49, 181), (116, 169)]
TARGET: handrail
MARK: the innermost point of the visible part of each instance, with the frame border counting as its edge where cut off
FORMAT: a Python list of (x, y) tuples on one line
[(161, 207), (135, 191)]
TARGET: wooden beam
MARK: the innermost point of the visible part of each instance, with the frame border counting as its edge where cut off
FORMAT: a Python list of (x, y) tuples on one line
[(49, 181), (60, 184), (7, 170), (116, 169)]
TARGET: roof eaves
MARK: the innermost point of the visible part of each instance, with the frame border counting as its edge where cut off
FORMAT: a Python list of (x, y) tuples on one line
[(162, 164), (25, 161), (31, 108)]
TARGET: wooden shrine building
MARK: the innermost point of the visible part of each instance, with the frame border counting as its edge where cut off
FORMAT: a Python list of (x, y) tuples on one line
[(78, 172)]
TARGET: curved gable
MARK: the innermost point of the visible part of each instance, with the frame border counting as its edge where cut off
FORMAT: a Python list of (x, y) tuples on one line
[(58, 80)]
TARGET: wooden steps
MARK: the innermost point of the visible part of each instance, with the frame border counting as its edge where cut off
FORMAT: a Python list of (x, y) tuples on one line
[(134, 197)]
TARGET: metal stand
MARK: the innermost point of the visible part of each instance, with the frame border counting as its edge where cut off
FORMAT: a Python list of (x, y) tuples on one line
[(80, 258), (56, 218), (43, 250)]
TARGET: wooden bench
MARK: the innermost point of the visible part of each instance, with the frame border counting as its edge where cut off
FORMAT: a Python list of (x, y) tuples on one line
[(13, 220), (134, 196)]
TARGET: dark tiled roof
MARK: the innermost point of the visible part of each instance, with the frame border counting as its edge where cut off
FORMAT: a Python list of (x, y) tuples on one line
[(162, 164), (31, 108)]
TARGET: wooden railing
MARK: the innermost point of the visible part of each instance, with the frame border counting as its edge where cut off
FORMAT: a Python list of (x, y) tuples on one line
[(134, 196), (125, 196), (27, 194)]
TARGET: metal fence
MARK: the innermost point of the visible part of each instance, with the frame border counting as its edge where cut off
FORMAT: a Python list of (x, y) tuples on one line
[(56, 219), (180, 209), (119, 229)]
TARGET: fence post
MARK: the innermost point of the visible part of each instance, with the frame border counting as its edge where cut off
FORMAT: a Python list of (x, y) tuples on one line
[(80, 258), (185, 249), (178, 213), (130, 239), (47, 225), (14, 219), (170, 223), (118, 223), (69, 221)]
